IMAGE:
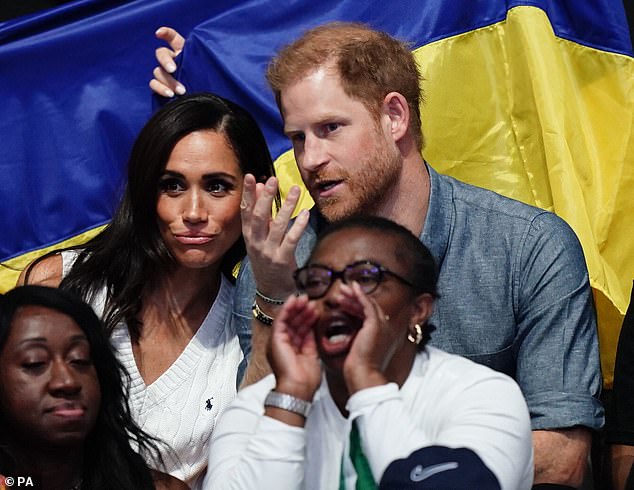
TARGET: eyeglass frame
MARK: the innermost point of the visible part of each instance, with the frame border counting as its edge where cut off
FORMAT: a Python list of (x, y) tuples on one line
[(334, 274)]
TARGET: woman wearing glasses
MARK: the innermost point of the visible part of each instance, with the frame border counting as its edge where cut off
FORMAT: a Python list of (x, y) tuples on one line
[(357, 399)]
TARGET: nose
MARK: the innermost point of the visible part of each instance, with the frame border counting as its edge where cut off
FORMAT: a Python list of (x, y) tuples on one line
[(194, 210), (333, 296), (314, 153), (63, 380)]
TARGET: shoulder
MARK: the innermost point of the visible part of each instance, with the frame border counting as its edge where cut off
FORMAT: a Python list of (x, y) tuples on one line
[(463, 374), (499, 216), (477, 199), (163, 481), (256, 392), (44, 272)]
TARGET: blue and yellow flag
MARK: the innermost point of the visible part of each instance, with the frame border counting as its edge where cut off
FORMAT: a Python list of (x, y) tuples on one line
[(532, 99)]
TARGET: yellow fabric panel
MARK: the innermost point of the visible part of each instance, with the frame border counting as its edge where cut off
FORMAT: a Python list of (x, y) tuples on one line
[(11, 269), (513, 108), (288, 175)]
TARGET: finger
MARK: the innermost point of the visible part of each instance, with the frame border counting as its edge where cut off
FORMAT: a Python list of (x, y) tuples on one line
[(301, 314), (163, 83), (304, 328), (310, 344), (171, 37), (294, 233), (371, 310), (247, 201), (163, 72), (288, 310), (306, 321), (280, 223), (349, 301), (165, 58), (299, 317), (159, 89), (261, 215), (259, 188)]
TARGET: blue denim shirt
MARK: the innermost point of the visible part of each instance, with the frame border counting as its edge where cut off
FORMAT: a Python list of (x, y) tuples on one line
[(514, 293)]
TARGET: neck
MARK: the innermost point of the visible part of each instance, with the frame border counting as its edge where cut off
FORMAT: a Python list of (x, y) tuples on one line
[(183, 296), (408, 201), (397, 371), (52, 468), (338, 390)]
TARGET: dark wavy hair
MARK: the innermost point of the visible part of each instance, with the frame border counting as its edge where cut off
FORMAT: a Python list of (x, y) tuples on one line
[(129, 252), (417, 260), (109, 460)]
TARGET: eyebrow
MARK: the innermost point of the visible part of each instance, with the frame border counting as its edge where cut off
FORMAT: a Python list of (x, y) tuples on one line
[(213, 175), (325, 119), (44, 340)]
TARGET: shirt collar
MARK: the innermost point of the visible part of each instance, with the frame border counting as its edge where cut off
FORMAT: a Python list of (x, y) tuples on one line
[(440, 216), (438, 222)]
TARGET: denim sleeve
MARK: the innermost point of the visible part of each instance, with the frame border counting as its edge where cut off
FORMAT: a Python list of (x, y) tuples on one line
[(241, 313), (245, 294), (558, 356)]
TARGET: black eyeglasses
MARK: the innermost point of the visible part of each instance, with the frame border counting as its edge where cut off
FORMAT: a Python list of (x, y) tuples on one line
[(315, 280)]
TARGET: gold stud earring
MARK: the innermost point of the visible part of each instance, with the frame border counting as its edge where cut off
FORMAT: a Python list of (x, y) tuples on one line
[(419, 335)]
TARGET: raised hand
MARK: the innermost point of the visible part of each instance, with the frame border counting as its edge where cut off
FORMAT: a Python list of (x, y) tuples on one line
[(163, 83), (292, 351), (270, 242), (374, 345)]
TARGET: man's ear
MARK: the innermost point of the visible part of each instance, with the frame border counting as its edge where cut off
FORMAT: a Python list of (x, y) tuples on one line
[(423, 308), (396, 109)]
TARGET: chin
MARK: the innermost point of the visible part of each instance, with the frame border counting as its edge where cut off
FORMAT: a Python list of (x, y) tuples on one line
[(67, 439), (333, 363), (337, 211), (195, 261)]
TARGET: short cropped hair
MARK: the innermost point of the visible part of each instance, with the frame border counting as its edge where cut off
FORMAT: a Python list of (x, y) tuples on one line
[(422, 271), (371, 64), (416, 258)]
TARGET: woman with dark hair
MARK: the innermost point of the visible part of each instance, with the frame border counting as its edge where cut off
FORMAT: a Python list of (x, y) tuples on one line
[(64, 417), (160, 274), (357, 398)]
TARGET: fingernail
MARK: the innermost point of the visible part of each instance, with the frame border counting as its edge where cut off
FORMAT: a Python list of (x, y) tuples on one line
[(171, 67), (169, 93), (180, 90)]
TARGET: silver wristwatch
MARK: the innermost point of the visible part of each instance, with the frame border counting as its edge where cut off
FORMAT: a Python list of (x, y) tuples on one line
[(287, 402)]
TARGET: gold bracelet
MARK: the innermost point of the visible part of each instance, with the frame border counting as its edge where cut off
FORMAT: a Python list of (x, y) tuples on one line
[(260, 316)]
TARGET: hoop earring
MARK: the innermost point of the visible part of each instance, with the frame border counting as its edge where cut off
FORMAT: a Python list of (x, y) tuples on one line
[(419, 335)]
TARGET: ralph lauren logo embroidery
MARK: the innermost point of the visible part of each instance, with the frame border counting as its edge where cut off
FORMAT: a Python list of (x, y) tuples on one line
[(208, 404)]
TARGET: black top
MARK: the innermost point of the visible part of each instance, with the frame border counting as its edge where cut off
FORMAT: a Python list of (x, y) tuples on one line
[(620, 419)]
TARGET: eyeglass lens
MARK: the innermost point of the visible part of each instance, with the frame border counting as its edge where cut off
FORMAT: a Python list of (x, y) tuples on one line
[(315, 280)]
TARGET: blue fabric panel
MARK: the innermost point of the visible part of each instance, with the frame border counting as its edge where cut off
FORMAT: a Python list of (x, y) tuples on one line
[(74, 84), (74, 95), (230, 52)]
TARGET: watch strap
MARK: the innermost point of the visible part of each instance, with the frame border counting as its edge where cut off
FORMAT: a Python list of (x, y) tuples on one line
[(287, 402)]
